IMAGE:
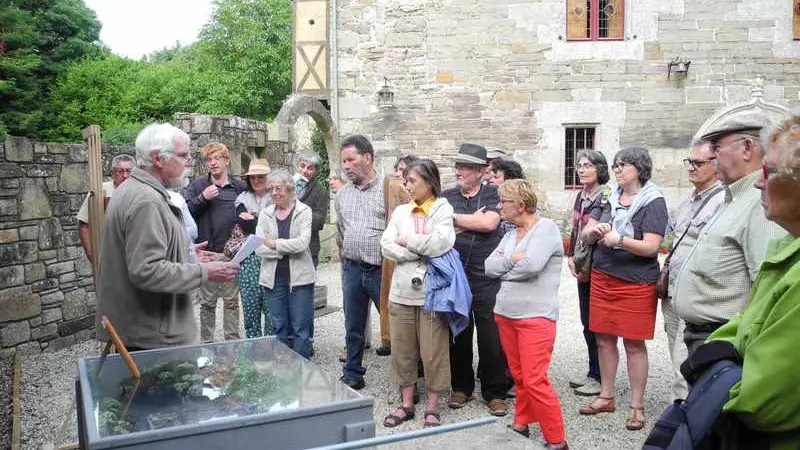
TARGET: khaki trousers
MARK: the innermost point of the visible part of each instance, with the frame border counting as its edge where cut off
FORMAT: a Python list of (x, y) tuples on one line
[(673, 325), (417, 333), (207, 296)]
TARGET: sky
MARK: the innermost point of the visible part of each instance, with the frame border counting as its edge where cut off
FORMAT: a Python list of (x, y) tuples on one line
[(134, 28)]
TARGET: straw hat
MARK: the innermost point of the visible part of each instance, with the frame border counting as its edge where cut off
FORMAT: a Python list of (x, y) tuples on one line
[(258, 167)]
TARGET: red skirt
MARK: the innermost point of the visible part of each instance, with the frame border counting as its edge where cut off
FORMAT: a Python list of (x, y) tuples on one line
[(622, 308)]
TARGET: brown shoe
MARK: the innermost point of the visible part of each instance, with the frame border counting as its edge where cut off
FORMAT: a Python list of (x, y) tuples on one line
[(497, 407), (599, 405), (458, 400), (636, 419), (343, 355)]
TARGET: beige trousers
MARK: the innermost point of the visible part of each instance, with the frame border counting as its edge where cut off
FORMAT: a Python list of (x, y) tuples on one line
[(417, 333), (674, 326), (207, 296)]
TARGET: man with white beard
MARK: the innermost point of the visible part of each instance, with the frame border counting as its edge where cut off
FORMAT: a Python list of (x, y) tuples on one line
[(144, 277)]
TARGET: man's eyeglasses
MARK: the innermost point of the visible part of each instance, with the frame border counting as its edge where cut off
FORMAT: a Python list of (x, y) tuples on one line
[(766, 171), (716, 144), (696, 163), (216, 158)]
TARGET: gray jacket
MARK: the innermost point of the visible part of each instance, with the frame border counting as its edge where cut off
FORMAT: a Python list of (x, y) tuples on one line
[(144, 276), (301, 268)]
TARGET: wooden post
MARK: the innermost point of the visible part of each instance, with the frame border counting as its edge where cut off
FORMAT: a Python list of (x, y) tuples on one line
[(91, 137)]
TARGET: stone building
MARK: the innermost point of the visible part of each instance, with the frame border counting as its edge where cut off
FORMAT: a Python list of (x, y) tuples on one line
[(543, 78)]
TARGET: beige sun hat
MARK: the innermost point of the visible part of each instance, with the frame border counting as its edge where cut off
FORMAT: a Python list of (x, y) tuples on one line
[(258, 167)]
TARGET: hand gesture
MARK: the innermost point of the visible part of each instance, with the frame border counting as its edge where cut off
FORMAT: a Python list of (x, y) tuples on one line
[(246, 216), (210, 192), (401, 240), (517, 257), (221, 271), (611, 239), (269, 242)]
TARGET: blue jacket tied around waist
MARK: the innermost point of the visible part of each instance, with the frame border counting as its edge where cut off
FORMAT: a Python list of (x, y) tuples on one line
[(448, 290)]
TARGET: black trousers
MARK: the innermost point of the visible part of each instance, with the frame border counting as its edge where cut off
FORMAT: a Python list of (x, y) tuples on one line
[(491, 360)]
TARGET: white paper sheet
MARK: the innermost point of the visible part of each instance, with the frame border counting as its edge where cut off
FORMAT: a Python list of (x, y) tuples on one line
[(250, 245)]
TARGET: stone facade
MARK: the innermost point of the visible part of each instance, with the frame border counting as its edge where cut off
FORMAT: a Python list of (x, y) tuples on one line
[(47, 298), (502, 74)]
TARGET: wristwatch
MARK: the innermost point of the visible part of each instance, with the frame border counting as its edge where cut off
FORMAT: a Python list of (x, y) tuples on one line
[(619, 243)]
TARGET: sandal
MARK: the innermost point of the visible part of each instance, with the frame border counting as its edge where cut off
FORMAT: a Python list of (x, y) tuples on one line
[(526, 432), (393, 420), (634, 423), (606, 407), (429, 423)]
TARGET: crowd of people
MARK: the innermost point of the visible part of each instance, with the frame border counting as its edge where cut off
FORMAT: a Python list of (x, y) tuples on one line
[(479, 258)]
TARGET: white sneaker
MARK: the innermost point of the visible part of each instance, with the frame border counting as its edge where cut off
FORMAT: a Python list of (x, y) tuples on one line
[(589, 389)]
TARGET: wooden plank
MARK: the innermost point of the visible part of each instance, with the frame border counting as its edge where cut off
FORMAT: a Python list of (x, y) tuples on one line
[(91, 136), (16, 409)]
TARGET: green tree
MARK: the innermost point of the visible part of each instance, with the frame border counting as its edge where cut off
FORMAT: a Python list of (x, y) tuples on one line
[(248, 44), (38, 40)]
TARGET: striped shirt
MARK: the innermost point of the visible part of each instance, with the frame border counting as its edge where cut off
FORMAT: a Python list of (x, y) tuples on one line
[(719, 271), (360, 221)]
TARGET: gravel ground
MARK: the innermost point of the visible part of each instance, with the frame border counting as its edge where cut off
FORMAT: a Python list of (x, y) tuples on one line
[(48, 386), (6, 376)]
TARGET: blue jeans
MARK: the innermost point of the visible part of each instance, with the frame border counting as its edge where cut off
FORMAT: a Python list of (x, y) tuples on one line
[(360, 284), (291, 311)]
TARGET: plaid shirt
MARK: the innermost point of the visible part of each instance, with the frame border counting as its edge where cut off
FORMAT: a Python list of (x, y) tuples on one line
[(360, 221), (719, 271)]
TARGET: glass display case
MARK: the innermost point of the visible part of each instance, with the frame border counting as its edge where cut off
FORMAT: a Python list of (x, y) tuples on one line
[(254, 393)]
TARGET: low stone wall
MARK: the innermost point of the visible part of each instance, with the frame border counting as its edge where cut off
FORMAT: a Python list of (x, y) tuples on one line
[(47, 298)]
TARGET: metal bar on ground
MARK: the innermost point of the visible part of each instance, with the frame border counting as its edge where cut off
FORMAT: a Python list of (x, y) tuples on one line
[(425, 432)]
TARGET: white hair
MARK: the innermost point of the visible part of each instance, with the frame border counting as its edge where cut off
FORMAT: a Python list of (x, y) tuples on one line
[(309, 158), (159, 137)]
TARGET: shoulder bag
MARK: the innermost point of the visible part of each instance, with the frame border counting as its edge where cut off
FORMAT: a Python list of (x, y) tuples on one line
[(582, 254)]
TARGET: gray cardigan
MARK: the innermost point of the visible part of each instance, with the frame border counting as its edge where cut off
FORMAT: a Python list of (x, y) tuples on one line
[(528, 288)]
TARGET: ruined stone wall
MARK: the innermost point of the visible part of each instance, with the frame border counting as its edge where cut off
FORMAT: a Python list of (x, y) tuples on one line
[(47, 298), (502, 74), (246, 139)]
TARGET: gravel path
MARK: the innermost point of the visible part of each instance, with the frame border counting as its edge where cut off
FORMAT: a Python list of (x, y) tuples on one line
[(48, 386)]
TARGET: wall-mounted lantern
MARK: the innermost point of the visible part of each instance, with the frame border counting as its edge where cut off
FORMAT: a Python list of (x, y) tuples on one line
[(385, 95), (678, 66)]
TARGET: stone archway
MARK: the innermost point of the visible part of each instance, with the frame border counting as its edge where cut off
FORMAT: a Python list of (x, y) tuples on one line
[(298, 105)]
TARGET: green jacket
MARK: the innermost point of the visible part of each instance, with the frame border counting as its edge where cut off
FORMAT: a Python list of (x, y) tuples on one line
[(766, 333)]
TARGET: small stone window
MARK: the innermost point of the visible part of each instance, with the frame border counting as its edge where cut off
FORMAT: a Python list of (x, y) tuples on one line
[(576, 138), (596, 20), (796, 17)]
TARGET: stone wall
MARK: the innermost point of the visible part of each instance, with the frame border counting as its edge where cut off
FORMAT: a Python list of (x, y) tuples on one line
[(246, 139), (47, 298), (502, 74)]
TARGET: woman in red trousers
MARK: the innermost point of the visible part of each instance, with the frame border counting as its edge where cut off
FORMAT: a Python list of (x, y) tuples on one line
[(528, 260)]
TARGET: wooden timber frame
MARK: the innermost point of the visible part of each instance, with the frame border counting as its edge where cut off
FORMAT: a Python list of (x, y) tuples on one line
[(91, 137)]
